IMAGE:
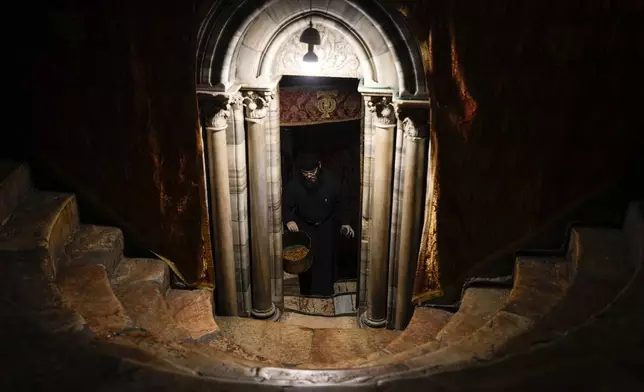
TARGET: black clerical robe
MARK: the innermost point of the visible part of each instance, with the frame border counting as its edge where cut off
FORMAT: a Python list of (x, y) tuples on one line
[(317, 211)]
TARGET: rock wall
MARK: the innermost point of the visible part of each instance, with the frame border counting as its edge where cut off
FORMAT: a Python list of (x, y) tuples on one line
[(537, 108), (532, 117), (119, 120)]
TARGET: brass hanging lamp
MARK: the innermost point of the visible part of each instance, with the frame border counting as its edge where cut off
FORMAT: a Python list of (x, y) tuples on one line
[(311, 37)]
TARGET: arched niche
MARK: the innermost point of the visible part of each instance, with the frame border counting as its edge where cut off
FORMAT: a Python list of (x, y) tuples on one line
[(241, 45)]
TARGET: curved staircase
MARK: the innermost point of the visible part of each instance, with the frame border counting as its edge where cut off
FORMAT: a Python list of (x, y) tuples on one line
[(117, 319)]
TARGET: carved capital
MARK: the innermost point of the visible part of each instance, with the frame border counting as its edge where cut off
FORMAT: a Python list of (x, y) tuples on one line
[(235, 100), (215, 110), (384, 110), (256, 104), (415, 120)]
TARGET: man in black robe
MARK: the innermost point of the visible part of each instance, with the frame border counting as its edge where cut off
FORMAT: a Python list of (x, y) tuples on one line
[(312, 199)]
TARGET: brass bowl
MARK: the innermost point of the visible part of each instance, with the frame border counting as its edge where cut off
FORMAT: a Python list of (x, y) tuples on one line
[(299, 238)]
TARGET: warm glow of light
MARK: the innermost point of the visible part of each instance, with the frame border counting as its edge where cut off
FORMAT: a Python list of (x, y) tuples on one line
[(310, 68)]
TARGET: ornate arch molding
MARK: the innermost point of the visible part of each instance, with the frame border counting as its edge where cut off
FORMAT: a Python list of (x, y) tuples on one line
[(369, 69), (411, 46), (231, 30)]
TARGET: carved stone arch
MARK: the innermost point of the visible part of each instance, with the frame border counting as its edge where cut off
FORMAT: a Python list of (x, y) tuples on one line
[(239, 43), (224, 36), (289, 30), (412, 48)]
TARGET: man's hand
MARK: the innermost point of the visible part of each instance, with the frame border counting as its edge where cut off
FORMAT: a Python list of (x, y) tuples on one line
[(347, 231), (292, 226)]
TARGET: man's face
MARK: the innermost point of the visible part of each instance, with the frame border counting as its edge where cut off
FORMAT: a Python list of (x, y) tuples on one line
[(311, 175)]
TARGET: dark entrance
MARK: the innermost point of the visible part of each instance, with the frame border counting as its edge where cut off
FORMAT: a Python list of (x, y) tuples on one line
[(338, 146)]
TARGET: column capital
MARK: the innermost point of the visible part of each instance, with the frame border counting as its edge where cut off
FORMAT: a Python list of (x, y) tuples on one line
[(216, 110), (384, 110), (256, 104), (236, 100), (415, 120)]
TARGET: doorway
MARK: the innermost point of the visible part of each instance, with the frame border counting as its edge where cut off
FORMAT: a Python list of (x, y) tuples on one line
[(358, 40), (335, 141)]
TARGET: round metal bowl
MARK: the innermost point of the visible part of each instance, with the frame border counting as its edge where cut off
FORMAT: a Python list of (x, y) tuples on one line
[(301, 238)]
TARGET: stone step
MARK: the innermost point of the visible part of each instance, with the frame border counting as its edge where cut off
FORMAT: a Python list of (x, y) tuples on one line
[(96, 245), (38, 231), (310, 305), (141, 286), (193, 311), (378, 359), (136, 270), (308, 321), (489, 319), (222, 345), (332, 346), (540, 283), (145, 304), (287, 344), (416, 339), (478, 305), (600, 270), (425, 324), (542, 289), (15, 184), (86, 290), (189, 358)]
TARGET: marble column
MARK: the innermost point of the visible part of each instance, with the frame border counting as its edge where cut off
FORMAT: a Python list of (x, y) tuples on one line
[(366, 179), (222, 233), (274, 176), (384, 125), (415, 126), (238, 179), (256, 105), (394, 234)]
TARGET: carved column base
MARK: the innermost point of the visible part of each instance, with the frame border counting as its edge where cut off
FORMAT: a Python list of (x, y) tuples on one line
[(365, 322), (273, 314)]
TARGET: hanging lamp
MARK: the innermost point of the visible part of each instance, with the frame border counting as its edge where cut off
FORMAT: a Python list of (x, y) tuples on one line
[(311, 37)]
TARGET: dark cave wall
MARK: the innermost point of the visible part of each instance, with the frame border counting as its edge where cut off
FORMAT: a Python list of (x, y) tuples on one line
[(535, 112), (536, 108), (116, 85)]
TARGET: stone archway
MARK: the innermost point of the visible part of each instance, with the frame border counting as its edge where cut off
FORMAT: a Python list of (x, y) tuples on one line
[(242, 47)]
